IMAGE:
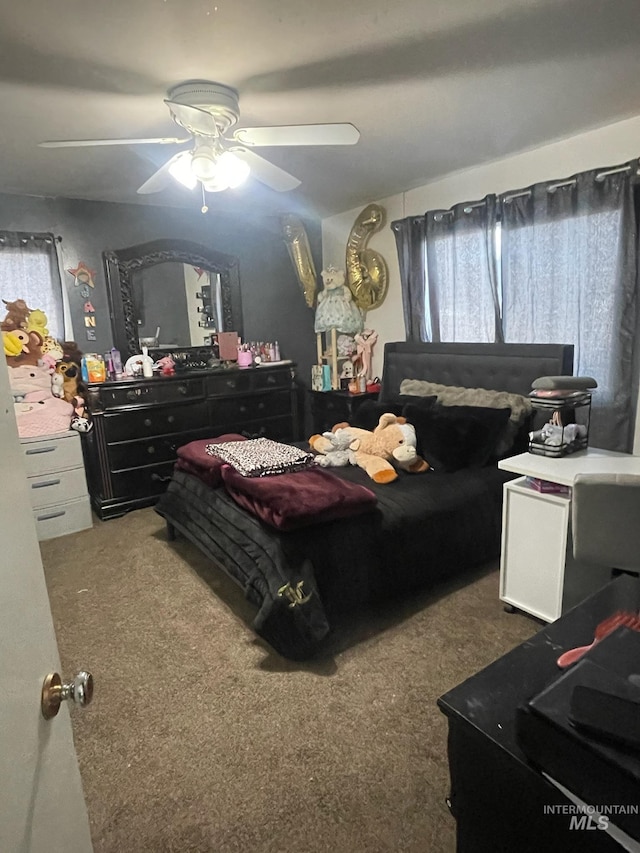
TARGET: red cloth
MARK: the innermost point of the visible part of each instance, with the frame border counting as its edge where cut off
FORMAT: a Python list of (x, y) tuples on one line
[(290, 501), (194, 459)]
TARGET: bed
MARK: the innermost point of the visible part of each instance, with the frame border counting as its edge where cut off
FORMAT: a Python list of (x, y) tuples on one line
[(424, 528)]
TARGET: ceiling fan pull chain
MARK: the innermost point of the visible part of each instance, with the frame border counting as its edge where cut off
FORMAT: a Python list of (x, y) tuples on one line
[(204, 207)]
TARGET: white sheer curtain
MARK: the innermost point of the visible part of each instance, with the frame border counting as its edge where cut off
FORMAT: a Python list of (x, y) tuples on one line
[(463, 293), (29, 270)]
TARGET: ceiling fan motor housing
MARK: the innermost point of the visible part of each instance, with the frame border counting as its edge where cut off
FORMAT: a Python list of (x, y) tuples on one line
[(216, 98)]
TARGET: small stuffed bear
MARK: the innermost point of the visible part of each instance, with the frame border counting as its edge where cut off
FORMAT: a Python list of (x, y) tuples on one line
[(336, 454), (393, 440)]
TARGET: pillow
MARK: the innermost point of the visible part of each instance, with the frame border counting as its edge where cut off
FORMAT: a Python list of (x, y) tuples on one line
[(565, 383), (368, 413), (453, 395), (454, 437)]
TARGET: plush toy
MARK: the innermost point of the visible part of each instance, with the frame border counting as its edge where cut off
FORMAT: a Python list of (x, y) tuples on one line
[(392, 441), (17, 313), (337, 452), (70, 373), (52, 347), (57, 384), (30, 344), (37, 322)]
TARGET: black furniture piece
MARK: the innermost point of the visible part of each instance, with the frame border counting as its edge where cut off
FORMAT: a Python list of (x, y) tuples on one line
[(138, 425), (499, 796), (333, 407)]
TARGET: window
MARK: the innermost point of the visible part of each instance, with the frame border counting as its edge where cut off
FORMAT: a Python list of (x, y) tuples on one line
[(29, 271)]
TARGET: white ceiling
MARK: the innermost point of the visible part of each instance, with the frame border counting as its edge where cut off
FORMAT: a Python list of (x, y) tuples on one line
[(434, 86)]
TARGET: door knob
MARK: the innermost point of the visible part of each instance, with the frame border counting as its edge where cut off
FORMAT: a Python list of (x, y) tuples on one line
[(54, 692)]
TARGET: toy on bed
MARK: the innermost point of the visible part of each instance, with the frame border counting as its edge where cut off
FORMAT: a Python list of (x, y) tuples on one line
[(391, 445)]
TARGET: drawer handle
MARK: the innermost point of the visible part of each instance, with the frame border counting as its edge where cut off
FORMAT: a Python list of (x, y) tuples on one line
[(151, 449), (261, 406), (51, 515), (271, 380), (45, 484), (183, 389), (231, 383), (147, 422), (133, 394), (171, 419), (35, 450), (243, 409)]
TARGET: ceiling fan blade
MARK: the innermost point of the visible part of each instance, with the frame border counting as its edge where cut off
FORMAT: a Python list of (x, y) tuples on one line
[(162, 178), (268, 173), (196, 121), (299, 134), (79, 143)]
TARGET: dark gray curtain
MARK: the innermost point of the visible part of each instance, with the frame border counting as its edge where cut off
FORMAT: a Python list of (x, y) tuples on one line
[(462, 271), (569, 266), (410, 234)]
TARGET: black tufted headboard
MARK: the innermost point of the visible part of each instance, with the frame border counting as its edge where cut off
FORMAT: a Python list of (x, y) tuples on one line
[(498, 367)]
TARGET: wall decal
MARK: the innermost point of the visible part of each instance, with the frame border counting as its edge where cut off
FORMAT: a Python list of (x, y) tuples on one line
[(88, 308), (83, 275), (91, 334), (90, 322)]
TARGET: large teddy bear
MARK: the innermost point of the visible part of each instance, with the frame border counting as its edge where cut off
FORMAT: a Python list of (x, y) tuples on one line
[(392, 441)]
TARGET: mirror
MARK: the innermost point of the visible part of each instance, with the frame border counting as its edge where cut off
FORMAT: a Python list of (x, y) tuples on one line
[(171, 294)]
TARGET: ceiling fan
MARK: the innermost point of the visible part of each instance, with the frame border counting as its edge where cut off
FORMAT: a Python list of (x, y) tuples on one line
[(218, 157)]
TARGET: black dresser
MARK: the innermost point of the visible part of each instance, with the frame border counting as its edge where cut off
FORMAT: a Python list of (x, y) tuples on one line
[(500, 797), (138, 425)]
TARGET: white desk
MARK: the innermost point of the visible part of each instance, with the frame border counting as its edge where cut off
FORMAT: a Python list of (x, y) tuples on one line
[(538, 574)]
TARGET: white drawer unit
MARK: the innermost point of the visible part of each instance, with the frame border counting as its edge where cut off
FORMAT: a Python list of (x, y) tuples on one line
[(538, 574), (57, 484)]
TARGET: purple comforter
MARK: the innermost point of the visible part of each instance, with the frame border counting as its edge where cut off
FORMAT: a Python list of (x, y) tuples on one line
[(283, 501)]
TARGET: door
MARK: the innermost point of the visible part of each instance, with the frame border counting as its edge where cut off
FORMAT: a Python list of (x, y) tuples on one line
[(42, 805)]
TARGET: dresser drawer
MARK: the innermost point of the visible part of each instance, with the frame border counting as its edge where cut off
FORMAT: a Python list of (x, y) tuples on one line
[(148, 451), (153, 392), (63, 518), (56, 454), (256, 407), (143, 482), (56, 488), (234, 382), (279, 429), (265, 378), (123, 426)]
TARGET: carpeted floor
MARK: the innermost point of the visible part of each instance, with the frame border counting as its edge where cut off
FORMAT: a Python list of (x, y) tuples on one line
[(200, 738)]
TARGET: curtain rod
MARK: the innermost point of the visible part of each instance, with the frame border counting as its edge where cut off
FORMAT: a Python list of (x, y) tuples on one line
[(599, 177), (24, 238), (551, 188)]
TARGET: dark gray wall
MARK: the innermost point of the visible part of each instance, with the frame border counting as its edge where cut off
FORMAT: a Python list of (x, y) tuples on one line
[(273, 305)]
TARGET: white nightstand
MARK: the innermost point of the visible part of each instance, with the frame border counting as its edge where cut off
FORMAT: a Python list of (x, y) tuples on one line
[(538, 574)]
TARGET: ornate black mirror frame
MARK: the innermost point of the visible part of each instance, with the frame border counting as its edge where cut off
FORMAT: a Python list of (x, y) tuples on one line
[(121, 264)]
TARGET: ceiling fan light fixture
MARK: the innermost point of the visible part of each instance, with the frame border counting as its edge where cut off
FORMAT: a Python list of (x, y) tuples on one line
[(232, 170), (181, 170), (204, 163)]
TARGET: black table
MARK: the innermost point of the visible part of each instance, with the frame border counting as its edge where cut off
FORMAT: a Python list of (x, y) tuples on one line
[(333, 407), (498, 796)]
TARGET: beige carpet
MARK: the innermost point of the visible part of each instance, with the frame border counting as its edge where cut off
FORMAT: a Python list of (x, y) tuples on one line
[(200, 738)]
